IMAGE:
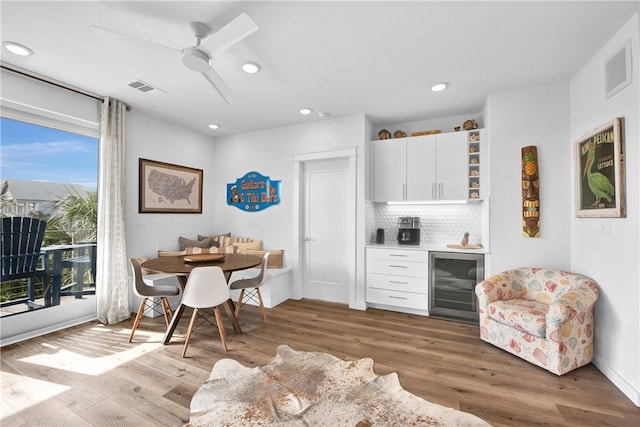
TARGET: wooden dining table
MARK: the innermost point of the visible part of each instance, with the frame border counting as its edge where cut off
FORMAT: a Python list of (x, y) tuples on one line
[(176, 264)]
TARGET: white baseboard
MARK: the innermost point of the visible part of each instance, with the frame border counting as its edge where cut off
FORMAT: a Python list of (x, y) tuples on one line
[(623, 385), (47, 330), (358, 305)]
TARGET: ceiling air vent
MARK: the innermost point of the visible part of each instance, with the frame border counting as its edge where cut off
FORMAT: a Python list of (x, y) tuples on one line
[(144, 86)]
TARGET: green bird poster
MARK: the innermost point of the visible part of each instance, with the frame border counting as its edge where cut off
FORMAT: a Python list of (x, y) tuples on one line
[(599, 169)]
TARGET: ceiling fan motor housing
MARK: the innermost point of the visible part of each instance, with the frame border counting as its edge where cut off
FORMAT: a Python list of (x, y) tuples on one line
[(200, 30), (195, 60)]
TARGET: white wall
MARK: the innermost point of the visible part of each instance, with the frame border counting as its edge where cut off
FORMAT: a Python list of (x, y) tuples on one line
[(271, 153), (515, 119), (613, 261), (154, 139)]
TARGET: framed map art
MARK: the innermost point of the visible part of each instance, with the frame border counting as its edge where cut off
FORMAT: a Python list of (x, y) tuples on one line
[(167, 188)]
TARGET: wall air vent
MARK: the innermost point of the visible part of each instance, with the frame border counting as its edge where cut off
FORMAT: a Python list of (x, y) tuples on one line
[(617, 70), (144, 86)]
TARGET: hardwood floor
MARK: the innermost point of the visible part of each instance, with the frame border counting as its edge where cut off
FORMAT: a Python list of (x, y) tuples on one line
[(91, 375)]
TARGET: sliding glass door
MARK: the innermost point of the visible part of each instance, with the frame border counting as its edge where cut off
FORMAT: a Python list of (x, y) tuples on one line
[(50, 174)]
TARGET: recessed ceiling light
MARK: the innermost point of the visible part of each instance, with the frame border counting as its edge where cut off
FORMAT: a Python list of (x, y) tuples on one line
[(323, 115), (214, 126), (17, 49), (306, 111), (439, 87), (250, 67)]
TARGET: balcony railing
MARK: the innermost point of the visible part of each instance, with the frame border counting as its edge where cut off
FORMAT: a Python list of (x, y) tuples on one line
[(70, 271)]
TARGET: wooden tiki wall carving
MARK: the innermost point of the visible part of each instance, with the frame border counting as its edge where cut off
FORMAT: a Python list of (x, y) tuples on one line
[(530, 192)]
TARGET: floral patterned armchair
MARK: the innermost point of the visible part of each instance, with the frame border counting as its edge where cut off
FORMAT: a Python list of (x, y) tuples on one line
[(541, 315)]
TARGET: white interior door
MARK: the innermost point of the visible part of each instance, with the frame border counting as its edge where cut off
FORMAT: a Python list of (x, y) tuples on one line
[(325, 262)]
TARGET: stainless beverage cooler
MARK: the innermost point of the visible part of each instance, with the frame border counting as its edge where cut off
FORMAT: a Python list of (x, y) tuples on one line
[(453, 277)]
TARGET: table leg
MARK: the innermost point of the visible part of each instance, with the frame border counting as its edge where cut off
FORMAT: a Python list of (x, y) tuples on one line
[(228, 306), (172, 325), (176, 314)]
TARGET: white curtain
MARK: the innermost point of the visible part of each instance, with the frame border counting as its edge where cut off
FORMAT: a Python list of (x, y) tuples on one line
[(112, 290)]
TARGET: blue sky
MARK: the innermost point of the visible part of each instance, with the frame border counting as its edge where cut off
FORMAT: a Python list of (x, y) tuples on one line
[(38, 153)]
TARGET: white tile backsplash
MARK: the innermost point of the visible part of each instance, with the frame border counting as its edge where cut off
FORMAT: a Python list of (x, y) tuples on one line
[(439, 224)]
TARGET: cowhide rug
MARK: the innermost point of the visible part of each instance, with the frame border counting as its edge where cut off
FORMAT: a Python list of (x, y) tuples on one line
[(313, 389)]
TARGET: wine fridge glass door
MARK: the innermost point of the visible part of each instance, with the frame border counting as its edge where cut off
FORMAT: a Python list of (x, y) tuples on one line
[(452, 278)]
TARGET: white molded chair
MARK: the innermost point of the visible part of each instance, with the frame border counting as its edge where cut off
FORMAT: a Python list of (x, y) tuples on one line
[(146, 292), (206, 287), (252, 288)]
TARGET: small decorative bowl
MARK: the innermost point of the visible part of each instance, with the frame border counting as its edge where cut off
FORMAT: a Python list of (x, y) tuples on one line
[(384, 134), (470, 125)]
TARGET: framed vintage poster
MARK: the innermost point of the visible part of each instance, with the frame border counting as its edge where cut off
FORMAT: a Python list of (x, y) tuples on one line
[(600, 175), (167, 188)]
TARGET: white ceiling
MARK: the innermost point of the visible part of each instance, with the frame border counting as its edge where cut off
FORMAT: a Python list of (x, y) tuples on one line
[(343, 58)]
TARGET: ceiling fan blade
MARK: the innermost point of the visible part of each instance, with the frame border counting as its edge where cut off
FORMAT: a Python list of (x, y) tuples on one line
[(230, 34), (219, 85), (126, 38)]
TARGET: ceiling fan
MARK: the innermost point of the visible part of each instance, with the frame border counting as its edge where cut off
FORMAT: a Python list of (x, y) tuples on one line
[(193, 57)]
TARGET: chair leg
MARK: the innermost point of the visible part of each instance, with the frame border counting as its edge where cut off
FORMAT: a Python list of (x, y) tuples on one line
[(166, 310), (223, 335), (136, 322), (186, 341), (239, 304), (264, 312)]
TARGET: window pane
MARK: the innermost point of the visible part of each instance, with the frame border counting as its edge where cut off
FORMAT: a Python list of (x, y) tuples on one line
[(37, 153), (52, 175)]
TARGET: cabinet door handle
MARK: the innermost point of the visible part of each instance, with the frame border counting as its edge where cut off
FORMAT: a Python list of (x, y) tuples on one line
[(394, 297), (440, 190), (400, 255), (433, 191), (404, 191), (398, 266), (398, 282)]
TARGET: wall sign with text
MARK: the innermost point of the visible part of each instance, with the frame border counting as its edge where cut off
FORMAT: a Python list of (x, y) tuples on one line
[(600, 175), (253, 192)]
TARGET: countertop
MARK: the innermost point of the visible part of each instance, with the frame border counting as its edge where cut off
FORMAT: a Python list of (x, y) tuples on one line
[(426, 246)]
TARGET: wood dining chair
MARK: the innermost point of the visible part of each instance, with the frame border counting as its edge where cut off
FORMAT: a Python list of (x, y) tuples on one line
[(250, 288), (206, 287), (148, 293)]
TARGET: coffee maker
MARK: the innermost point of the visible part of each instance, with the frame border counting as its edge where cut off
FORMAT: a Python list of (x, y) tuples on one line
[(409, 230)]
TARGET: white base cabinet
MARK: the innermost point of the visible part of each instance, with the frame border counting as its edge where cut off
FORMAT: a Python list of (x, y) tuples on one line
[(398, 278)]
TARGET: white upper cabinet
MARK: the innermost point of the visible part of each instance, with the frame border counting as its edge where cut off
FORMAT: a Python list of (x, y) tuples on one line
[(430, 167), (390, 170), (451, 166), (421, 168)]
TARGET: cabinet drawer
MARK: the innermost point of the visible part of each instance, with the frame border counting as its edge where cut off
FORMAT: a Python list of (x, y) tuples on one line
[(397, 283), (399, 299), (397, 255), (399, 268)]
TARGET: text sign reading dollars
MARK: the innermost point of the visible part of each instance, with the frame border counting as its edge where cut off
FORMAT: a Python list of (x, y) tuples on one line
[(253, 192), (167, 188)]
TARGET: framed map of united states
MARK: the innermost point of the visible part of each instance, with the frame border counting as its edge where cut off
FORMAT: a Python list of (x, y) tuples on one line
[(168, 188)]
